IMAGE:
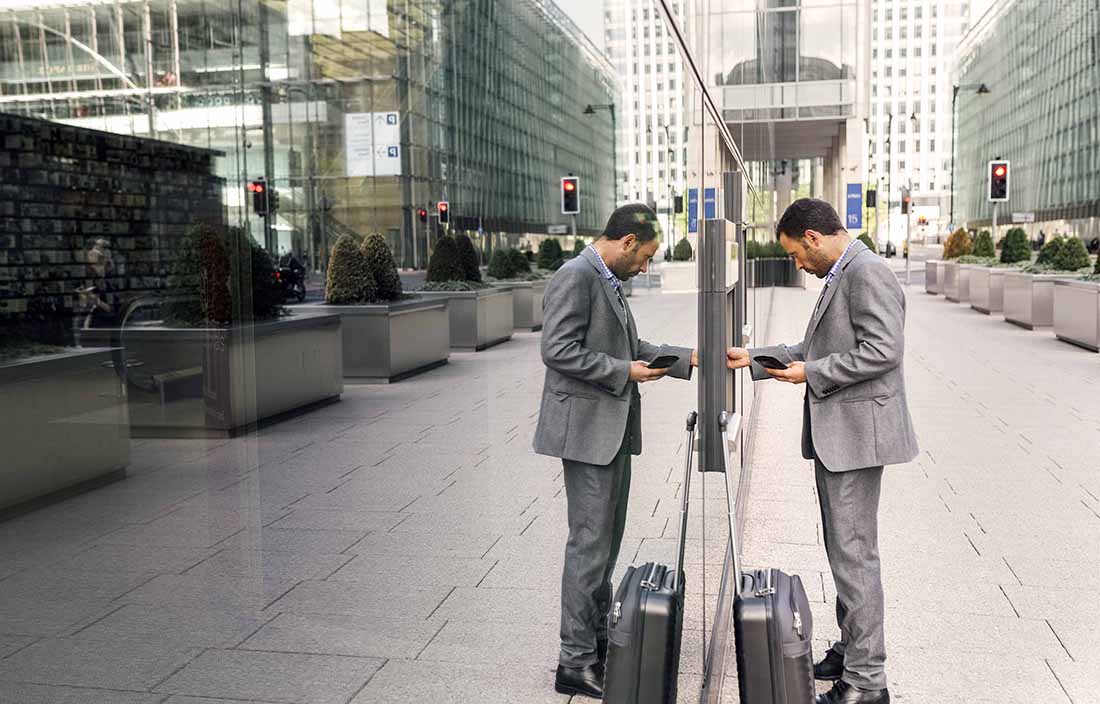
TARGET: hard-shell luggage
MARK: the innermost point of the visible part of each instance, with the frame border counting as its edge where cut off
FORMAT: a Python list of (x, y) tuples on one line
[(645, 626)]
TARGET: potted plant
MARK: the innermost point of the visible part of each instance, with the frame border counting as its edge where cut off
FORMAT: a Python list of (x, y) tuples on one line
[(481, 315), (1029, 293), (933, 268), (956, 284), (219, 353), (1077, 303), (679, 275), (388, 335), (987, 272), (508, 268)]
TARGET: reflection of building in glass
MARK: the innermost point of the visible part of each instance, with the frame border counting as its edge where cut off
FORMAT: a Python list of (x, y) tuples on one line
[(912, 50), (786, 75), (1039, 61), (359, 113)]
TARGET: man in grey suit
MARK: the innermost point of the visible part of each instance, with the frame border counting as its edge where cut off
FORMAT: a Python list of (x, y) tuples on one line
[(855, 420), (591, 418)]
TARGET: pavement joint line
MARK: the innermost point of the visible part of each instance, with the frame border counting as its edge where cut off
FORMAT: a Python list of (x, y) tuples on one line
[(482, 580), (440, 492), (1022, 447), (431, 640), (1014, 609), (979, 524), (535, 500), (257, 629), (971, 541), (93, 622), (1010, 569), (486, 553), (346, 550), (402, 509), (394, 527), (445, 597), (531, 523), (173, 673), (276, 519), (29, 643), (1028, 441), (1060, 642), (342, 566), (205, 559), (1059, 681), (352, 471), (1051, 473), (292, 588), (1090, 508), (944, 501)]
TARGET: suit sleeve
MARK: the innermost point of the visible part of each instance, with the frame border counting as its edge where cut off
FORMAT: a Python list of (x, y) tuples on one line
[(647, 352), (876, 306), (567, 310), (784, 353)]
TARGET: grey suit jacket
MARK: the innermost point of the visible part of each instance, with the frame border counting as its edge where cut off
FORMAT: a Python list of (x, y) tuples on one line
[(588, 342), (855, 413)]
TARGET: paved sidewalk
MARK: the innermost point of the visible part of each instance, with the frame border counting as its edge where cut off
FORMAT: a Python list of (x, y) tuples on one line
[(989, 539), (404, 545)]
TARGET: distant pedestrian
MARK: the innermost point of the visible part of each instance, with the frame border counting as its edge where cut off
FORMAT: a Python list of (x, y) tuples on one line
[(855, 420), (591, 418)]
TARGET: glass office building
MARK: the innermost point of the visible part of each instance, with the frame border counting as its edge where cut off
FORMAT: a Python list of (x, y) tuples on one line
[(358, 113), (1040, 64)]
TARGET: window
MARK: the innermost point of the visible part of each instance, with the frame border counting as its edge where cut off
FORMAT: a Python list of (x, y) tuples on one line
[(889, 71), (917, 31), (889, 53), (904, 31), (902, 52), (901, 146), (874, 53), (931, 145), (917, 52), (901, 165), (916, 145), (904, 13), (917, 12)]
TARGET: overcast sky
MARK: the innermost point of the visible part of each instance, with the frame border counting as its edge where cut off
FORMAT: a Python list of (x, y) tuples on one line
[(588, 15)]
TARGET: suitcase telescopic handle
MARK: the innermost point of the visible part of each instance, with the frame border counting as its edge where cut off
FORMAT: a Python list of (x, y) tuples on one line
[(730, 423), (681, 541)]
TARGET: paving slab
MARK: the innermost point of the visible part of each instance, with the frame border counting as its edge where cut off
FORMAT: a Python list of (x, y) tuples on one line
[(416, 682), (360, 636), (84, 662), (23, 693)]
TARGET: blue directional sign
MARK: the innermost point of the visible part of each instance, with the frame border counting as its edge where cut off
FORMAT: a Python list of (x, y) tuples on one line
[(710, 202), (693, 210), (854, 221)]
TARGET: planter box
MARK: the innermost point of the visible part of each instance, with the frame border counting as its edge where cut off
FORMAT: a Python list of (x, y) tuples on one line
[(956, 281), (65, 423), (389, 342), (1077, 313), (679, 277), (987, 289), (1029, 299), (479, 319), (527, 303), (222, 381), (933, 281)]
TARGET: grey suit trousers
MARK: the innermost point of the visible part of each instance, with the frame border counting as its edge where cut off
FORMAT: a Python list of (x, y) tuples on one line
[(849, 514), (597, 499)]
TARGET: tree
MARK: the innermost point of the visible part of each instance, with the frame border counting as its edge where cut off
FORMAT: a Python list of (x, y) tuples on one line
[(445, 264), (958, 244), (1073, 255), (521, 263), (683, 251), (350, 281), (983, 246), (467, 255), (501, 265), (382, 268), (549, 252), (1015, 247), (866, 239)]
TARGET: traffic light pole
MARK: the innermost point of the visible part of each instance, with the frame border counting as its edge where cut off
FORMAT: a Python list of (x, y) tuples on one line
[(908, 249), (995, 221)]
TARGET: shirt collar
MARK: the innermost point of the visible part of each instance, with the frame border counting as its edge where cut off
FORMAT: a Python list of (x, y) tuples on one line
[(615, 281), (836, 266)]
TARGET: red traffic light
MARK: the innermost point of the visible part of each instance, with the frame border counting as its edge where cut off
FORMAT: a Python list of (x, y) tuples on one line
[(255, 187), (569, 186), (1000, 170), (442, 207)]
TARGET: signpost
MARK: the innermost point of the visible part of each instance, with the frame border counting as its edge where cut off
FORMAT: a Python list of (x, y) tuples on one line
[(854, 219), (693, 210)]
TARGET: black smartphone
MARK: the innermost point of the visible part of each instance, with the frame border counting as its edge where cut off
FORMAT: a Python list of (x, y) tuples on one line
[(768, 362), (664, 361)]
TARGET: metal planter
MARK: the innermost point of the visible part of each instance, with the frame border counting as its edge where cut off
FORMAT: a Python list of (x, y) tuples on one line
[(222, 381), (1077, 313), (389, 342), (1029, 299), (987, 289), (527, 303), (933, 282), (956, 282), (66, 424), (479, 319)]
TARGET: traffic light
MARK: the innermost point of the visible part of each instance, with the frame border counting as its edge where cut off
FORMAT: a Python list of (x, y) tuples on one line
[(906, 201), (258, 189), (422, 214), (872, 198), (998, 181), (444, 212), (273, 200), (570, 195), (679, 204)]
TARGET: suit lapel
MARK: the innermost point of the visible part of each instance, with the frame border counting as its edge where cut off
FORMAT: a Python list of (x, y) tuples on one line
[(830, 292), (631, 330), (608, 289)]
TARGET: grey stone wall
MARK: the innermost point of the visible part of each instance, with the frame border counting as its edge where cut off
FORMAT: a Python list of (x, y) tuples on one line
[(90, 217)]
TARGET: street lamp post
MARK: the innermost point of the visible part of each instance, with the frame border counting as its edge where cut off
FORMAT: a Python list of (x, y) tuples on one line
[(610, 107), (980, 89)]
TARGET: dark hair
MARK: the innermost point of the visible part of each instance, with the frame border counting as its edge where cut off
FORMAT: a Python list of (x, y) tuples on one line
[(808, 214), (635, 219)]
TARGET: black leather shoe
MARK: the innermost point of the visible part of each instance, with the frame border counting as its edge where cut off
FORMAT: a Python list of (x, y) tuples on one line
[(601, 651), (580, 680), (830, 668), (844, 693)]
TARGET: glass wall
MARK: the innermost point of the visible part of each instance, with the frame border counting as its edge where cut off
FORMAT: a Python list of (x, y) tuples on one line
[(1042, 113)]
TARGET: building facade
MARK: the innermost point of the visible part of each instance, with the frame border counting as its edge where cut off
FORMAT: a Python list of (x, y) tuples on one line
[(791, 80), (652, 132), (358, 113), (913, 47), (1041, 64)]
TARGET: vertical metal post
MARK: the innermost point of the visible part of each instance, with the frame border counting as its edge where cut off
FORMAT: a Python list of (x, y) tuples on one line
[(908, 250), (994, 233), (270, 242), (147, 36)]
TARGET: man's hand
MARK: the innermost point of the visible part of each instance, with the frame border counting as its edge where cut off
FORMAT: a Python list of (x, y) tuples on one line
[(641, 373), (737, 358), (793, 374), (695, 358)]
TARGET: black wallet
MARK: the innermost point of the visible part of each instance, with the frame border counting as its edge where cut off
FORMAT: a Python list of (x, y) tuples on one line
[(768, 362)]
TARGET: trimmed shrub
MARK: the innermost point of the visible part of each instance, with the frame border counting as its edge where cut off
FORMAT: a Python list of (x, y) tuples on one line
[(200, 281), (350, 281), (1051, 252), (957, 245), (866, 239), (521, 261), (578, 247), (983, 246), (382, 268), (267, 293), (445, 264), (1073, 255), (501, 264), (752, 249), (1096, 269), (549, 252), (467, 255), (559, 263), (682, 253), (455, 286), (1015, 247)]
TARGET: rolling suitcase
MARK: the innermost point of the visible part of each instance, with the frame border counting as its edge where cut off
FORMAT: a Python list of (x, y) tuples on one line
[(645, 626), (773, 627)]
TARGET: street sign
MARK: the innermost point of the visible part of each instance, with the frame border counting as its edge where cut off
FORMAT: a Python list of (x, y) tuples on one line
[(1023, 217), (710, 203), (693, 210), (557, 229), (854, 221)]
